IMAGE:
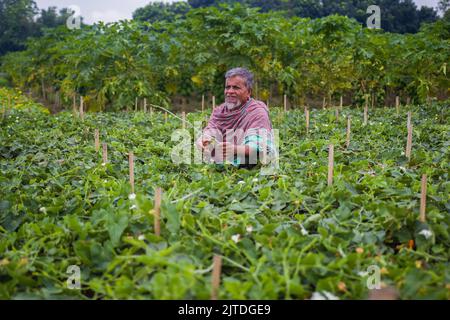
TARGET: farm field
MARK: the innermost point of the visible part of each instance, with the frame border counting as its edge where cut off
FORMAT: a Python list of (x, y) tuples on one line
[(289, 235)]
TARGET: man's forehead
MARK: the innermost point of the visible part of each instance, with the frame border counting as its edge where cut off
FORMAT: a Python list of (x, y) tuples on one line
[(235, 80)]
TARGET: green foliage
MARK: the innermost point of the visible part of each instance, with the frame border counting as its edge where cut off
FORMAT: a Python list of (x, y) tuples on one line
[(397, 16), (59, 207), (21, 19), (111, 65)]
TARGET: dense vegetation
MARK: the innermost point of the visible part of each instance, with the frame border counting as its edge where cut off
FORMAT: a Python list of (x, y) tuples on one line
[(21, 19), (397, 16), (112, 65), (285, 236)]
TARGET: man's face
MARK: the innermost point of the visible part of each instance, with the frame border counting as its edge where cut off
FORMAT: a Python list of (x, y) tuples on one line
[(236, 92)]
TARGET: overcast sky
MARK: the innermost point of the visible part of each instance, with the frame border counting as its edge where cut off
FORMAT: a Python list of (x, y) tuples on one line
[(114, 10)]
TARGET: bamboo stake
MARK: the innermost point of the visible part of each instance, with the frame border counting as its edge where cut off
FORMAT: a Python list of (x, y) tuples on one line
[(324, 102), (365, 114), (105, 152), (267, 103), (145, 105), (97, 140), (409, 142), (408, 122), (214, 102), (285, 103), (423, 198), (347, 141), (330, 164), (307, 120), (157, 210), (81, 108), (203, 102), (131, 165), (135, 104), (408, 101), (341, 103), (373, 100), (74, 104), (215, 281), (397, 103)]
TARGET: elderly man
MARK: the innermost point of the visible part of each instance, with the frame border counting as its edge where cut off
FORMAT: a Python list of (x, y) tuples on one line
[(239, 130)]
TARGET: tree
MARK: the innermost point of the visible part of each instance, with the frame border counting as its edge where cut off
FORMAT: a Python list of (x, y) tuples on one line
[(159, 11), (443, 6), (16, 24), (51, 19)]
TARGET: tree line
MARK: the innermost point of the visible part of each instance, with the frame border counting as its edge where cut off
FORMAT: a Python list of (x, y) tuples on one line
[(112, 65), (400, 16)]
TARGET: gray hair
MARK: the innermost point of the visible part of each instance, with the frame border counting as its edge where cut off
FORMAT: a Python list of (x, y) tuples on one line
[(243, 73)]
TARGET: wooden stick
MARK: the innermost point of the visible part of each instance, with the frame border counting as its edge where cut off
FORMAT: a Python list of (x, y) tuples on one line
[(408, 121), (347, 141), (74, 106), (285, 103), (145, 105), (97, 140), (215, 280), (330, 164), (409, 142), (365, 114), (214, 102), (203, 102), (408, 101), (323, 103), (397, 103), (184, 119), (105, 152), (307, 120), (81, 108), (157, 210), (341, 103), (423, 198), (135, 104), (267, 103), (131, 165), (373, 100)]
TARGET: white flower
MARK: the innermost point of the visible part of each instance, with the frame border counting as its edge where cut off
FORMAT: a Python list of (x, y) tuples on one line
[(426, 233), (103, 164), (249, 229), (43, 209), (235, 237), (241, 182), (133, 207), (255, 180), (105, 181), (132, 196), (304, 231), (141, 237), (324, 295)]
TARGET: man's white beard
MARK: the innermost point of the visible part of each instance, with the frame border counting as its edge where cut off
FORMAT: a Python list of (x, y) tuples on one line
[(232, 106)]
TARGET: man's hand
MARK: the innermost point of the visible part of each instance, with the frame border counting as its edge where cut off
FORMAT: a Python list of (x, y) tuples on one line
[(204, 142)]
